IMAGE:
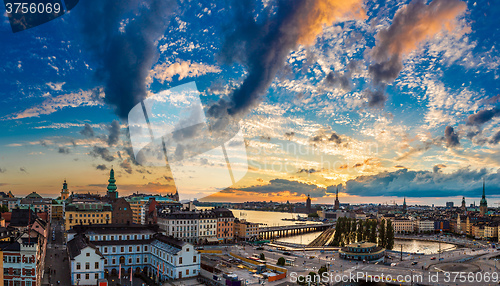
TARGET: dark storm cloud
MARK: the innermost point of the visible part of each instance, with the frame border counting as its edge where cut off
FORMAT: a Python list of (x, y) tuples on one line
[(87, 131), (289, 135), (124, 49), (323, 137), (262, 45), (282, 185), (63, 150), (483, 116), (335, 138), (437, 168), (376, 98), (342, 79), (309, 171), (114, 133), (451, 137), (102, 152), (126, 166), (463, 182), (495, 138), (334, 79), (101, 167), (412, 24)]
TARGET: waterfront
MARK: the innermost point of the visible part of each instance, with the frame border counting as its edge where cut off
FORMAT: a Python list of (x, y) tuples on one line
[(266, 218), (413, 246)]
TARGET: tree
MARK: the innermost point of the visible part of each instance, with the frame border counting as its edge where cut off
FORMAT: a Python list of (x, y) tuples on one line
[(389, 236), (4, 209), (382, 242), (373, 231), (359, 231), (366, 231), (312, 277), (347, 231), (337, 236), (281, 261), (352, 233), (322, 270), (262, 256)]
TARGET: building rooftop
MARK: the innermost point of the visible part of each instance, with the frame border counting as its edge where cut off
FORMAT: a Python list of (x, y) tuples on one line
[(78, 243), (115, 229)]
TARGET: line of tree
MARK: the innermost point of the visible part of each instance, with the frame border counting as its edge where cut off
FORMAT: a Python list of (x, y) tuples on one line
[(350, 230)]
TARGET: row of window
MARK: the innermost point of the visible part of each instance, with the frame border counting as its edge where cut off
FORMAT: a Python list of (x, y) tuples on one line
[(12, 259), (90, 215), (87, 276), (122, 249), (7, 282), (119, 237), (184, 228), (17, 271), (122, 261), (84, 221), (87, 266)]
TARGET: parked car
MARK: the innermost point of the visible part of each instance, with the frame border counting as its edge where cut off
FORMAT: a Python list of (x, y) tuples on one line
[(433, 258), (414, 263)]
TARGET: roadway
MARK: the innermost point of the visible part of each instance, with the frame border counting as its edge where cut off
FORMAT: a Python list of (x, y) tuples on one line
[(425, 272)]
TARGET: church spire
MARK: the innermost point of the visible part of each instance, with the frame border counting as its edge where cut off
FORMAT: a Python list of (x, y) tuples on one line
[(484, 193), (337, 202), (112, 193), (64, 191), (483, 205)]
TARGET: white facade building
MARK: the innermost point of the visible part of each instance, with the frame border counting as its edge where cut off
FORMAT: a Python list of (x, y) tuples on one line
[(86, 262), (424, 226), (138, 248), (207, 227), (183, 225)]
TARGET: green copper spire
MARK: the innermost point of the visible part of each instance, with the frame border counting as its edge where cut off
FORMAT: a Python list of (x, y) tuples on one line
[(112, 181), (65, 185)]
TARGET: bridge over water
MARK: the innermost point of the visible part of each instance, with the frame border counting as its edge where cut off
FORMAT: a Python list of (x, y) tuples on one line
[(291, 230)]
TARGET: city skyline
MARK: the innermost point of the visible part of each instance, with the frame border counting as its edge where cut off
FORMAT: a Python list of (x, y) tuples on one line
[(350, 100)]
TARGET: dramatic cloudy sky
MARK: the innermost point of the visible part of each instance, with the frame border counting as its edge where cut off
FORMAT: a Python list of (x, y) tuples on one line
[(383, 99)]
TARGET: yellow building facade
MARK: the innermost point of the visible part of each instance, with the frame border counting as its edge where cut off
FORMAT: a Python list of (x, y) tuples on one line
[(87, 213)]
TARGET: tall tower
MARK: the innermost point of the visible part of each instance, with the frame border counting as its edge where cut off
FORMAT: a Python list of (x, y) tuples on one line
[(404, 205), (64, 191), (463, 207), (112, 193), (308, 204), (337, 202), (483, 205)]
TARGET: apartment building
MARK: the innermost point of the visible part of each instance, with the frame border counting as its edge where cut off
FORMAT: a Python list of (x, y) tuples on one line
[(207, 227), (225, 224), (183, 225), (86, 212), (244, 230), (424, 226)]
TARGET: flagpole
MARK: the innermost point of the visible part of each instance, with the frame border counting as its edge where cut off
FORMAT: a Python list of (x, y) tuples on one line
[(130, 275)]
